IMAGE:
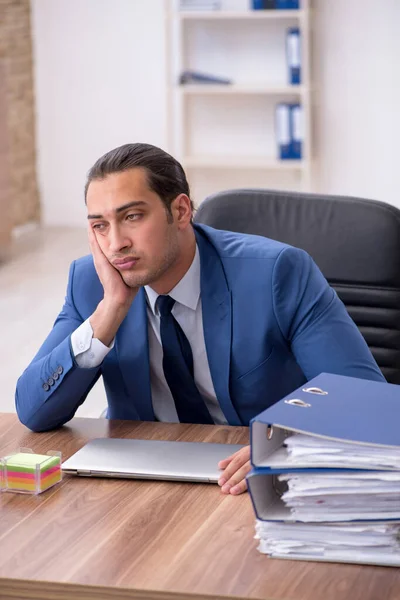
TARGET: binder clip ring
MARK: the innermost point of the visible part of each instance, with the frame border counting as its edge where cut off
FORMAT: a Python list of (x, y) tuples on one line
[(297, 402), (315, 390), (269, 432)]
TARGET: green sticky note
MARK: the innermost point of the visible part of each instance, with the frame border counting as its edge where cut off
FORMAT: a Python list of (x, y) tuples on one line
[(26, 463)]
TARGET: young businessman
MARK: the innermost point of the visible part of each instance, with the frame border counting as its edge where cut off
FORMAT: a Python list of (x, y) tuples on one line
[(183, 322)]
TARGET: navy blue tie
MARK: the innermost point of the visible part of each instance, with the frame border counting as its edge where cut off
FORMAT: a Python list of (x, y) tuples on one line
[(178, 367)]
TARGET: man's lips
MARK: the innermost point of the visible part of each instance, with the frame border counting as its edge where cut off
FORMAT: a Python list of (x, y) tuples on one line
[(125, 263)]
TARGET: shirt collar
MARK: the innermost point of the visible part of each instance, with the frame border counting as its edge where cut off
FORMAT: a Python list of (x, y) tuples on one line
[(186, 291)]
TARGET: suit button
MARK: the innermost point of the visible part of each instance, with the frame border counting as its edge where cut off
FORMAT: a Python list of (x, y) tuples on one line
[(46, 387), (50, 381), (55, 376), (60, 370)]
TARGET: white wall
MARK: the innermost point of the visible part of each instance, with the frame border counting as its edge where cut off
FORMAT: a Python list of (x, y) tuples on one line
[(101, 81), (356, 52)]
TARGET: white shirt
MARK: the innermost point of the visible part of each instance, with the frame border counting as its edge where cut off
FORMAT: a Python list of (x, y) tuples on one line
[(90, 352)]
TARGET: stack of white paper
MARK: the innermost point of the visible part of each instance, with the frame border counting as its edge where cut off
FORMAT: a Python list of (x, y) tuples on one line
[(307, 450), (316, 497), (341, 512), (375, 543)]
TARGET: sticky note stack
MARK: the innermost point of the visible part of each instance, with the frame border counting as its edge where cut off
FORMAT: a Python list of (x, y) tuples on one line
[(30, 473)]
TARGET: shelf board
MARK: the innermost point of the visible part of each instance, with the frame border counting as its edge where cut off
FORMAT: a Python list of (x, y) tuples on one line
[(213, 89), (238, 15), (244, 162)]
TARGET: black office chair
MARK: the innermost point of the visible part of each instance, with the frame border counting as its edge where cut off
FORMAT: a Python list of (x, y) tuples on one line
[(355, 243)]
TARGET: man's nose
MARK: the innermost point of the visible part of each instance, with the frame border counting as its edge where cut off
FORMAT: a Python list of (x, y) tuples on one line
[(117, 240)]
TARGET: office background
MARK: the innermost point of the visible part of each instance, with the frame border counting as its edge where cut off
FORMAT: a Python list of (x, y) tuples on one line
[(80, 78)]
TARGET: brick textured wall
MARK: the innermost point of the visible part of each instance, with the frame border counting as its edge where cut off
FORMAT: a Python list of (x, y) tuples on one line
[(5, 215), (16, 59)]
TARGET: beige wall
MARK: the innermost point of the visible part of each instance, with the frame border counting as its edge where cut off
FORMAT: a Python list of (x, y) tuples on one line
[(16, 60)]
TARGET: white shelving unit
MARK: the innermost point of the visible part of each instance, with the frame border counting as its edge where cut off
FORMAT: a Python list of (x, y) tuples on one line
[(224, 134), (244, 162), (238, 14), (233, 89)]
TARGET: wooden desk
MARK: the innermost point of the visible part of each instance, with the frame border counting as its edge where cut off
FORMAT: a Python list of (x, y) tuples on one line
[(148, 539)]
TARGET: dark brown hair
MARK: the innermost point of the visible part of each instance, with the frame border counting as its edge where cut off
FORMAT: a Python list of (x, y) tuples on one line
[(165, 174)]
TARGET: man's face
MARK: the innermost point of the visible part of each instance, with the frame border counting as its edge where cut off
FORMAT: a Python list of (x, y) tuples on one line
[(132, 227)]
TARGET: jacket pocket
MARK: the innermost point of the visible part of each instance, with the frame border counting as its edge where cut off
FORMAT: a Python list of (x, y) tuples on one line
[(252, 373)]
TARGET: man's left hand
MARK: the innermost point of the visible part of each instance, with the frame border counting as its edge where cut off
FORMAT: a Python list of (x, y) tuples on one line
[(235, 468)]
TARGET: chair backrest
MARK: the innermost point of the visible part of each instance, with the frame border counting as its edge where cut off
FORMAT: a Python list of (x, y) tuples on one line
[(355, 243)]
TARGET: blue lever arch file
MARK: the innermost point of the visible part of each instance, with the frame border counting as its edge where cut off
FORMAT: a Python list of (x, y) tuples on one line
[(313, 545), (283, 131), (333, 407), (359, 416), (296, 131), (293, 55), (287, 4), (264, 4)]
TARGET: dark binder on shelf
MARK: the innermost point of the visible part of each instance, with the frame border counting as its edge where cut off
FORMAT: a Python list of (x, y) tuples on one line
[(188, 77), (293, 55), (296, 131), (283, 131), (282, 4), (275, 4), (287, 4), (264, 4)]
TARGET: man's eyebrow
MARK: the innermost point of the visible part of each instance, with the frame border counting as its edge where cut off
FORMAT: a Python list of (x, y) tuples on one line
[(120, 209)]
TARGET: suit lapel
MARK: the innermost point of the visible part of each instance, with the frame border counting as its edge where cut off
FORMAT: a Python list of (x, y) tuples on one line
[(132, 347), (217, 323)]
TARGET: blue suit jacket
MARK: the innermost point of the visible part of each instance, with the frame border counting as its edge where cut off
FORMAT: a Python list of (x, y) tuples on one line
[(271, 322)]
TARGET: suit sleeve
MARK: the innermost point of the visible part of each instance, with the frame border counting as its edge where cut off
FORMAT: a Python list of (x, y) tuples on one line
[(52, 387), (315, 322)]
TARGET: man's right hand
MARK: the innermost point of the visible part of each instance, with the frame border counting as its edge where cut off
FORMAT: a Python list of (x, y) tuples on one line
[(118, 297)]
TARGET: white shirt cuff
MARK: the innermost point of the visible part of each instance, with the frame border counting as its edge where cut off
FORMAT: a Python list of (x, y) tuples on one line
[(89, 352)]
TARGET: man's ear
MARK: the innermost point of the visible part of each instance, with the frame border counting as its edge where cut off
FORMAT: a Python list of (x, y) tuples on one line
[(181, 209)]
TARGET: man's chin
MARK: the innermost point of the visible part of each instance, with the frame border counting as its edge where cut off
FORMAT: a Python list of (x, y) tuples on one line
[(134, 281), (145, 277)]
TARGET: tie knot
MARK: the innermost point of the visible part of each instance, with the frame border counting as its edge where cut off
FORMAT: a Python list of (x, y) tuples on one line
[(165, 304)]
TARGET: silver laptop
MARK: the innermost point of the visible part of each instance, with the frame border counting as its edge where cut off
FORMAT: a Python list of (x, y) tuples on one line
[(150, 459)]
